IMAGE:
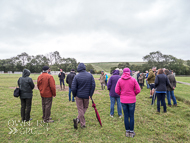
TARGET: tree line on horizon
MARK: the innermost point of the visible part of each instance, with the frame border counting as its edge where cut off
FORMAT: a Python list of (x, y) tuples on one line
[(159, 60), (56, 62), (35, 63)]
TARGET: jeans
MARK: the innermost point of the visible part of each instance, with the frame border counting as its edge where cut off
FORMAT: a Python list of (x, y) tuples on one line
[(119, 111), (171, 94), (26, 108), (129, 110), (61, 81), (70, 95), (161, 98), (147, 84)]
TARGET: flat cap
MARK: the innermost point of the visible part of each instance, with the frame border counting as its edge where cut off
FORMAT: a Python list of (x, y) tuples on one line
[(45, 68)]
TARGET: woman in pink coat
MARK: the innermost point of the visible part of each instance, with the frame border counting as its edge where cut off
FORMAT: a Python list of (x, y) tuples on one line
[(128, 88)]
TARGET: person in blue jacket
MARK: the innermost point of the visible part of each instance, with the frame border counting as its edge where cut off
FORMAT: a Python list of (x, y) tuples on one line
[(106, 80), (161, 83), (82, 87), (146, 76)]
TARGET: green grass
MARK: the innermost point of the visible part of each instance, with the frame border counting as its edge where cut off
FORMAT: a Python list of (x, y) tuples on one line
[(173, 126), (183, 79), (105, 66)]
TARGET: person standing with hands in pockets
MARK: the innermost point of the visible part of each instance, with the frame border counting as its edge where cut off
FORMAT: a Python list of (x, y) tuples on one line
[(46, 86), (61, 79)]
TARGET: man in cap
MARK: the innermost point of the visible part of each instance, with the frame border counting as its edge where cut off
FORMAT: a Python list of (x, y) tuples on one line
[(69, 81), (46, 86), (61, 76)]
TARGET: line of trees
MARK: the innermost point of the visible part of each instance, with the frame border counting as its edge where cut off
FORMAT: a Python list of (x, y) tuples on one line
[(159, 60), (35, 63)]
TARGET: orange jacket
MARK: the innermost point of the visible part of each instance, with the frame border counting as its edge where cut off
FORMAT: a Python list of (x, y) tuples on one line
[(46, 85)]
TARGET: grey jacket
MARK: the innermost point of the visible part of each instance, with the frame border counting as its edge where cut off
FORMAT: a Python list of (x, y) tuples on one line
[(172, 80), (26, 85)]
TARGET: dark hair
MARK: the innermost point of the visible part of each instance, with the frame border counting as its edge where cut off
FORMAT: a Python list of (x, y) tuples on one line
[(160, 71)]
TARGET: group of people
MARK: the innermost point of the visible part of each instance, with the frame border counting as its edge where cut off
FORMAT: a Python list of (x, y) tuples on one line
[(122, 89), (162, 82)]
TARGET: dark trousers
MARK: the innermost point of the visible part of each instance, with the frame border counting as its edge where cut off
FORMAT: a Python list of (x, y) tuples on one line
[(26, 108), (106, 82), (61, 81), (161, 98), (46, 108)]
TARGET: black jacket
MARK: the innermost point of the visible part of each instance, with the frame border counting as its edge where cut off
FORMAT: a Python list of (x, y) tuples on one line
[(26, 85), (83, 84), (70, 78), (161, 82), (62, 76)]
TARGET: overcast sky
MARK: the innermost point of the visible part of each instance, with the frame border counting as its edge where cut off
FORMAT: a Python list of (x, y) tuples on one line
[(95, 30)]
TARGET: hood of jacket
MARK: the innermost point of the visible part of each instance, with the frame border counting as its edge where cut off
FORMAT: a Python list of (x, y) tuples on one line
[(150, 70), (25, 73), (116, 72), (167, 72), (126, 75), (81, 67)]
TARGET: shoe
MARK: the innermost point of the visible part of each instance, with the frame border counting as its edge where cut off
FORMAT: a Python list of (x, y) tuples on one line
[(150, 96), (132, 134), (120, 116), (50, 121), (165, 111), (111, 116), (73, 101), (127, 134), (175, 105), (83, 126), (27, 120), (75, 123), (158, 112), (170, 105)]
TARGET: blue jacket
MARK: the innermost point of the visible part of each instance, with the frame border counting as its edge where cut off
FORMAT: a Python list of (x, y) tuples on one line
[(83, 84), (112, 83), (106, 77), (161, 83), (146, 75)]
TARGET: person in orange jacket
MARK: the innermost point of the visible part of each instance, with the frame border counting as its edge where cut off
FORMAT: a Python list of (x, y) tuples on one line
[(47, 88)]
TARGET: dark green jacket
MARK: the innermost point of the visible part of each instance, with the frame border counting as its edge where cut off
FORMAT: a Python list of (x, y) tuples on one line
[(151, 77), (26, 85)]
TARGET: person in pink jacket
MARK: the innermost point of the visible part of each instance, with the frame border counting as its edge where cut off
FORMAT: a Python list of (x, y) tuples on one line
[(128, 88)]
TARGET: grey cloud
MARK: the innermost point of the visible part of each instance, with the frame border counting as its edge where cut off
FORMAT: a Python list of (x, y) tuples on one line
[(151, 25)]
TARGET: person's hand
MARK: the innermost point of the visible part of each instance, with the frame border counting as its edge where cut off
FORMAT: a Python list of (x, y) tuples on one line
[(89, 97), (53, 96), (60, 74), (173, 87)]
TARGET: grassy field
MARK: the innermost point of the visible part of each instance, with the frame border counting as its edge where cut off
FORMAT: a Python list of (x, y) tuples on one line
[(183, 79), (173, 126), (105, 66)]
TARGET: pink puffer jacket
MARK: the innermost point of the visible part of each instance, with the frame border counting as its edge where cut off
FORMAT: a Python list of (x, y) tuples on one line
[(127, 87)]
